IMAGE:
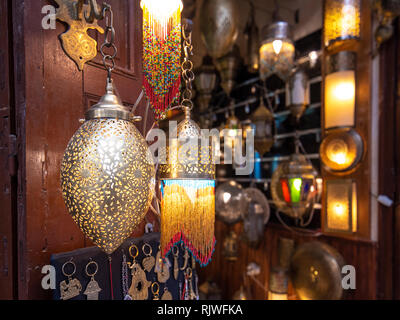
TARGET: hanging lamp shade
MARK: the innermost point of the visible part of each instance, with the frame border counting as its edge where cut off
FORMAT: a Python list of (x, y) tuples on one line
[(293, 186), (277, 52), (161, 52), (188, 193), (342, 21), (107, 174)]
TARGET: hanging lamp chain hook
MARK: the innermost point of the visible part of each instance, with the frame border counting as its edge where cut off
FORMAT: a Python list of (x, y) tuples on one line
[(187, 66), (109, 42)]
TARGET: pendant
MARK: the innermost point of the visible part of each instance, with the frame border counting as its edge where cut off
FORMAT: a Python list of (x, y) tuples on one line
[(70, 288), (193, 263), (139, 289), (148, 262), (93, 289), (176, 262), (167, 295), (155, 290), (186, 261), (162, 269)]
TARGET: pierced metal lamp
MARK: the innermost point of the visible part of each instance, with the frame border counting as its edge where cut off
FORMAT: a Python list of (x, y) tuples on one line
[(107, 173)]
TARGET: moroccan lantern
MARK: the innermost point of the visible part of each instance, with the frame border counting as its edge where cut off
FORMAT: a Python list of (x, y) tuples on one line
[(219, 26), (231, 202), (294, 187), (187, 180), (277, 52), (161, 52), (188, 193), (107, 174), (342, 21), (264, 124), (228, 67)]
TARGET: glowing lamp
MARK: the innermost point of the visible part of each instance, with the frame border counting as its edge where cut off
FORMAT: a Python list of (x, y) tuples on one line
[(188, 193), (294, 187), (107, 174), (277, 51), (340, 90), (341, 206), (342, 150), (161, 52), (342, 20)]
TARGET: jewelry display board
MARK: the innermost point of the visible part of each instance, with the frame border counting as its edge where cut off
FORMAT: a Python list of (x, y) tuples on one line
[(90, 274)]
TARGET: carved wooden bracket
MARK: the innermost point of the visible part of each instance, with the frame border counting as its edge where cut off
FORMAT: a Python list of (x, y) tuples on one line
[(80, 17)]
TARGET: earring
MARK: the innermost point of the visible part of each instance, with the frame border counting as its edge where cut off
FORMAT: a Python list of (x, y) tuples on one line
[(149, 261), (70, 288), (139, 289), (93, 288)]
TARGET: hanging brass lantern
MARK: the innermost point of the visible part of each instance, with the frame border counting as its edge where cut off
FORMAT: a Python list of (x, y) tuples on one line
[(228, 67), (342, 21), (206, 80), (252, 42), (294, 187), (188, 193), (264, 123), (219, 26), (107, 174), (277, 52)]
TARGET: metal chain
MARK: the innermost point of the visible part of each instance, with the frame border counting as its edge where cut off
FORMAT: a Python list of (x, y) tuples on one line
[(109, 41), (187, 67)]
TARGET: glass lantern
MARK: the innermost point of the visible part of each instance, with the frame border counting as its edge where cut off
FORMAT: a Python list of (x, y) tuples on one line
[(264, 125), (277, 52), (294, 186)]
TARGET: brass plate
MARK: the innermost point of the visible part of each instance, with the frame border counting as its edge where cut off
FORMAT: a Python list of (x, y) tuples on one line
[(315, 272)]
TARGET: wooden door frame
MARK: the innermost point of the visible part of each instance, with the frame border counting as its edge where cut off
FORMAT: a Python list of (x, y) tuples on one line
[(389, 171)]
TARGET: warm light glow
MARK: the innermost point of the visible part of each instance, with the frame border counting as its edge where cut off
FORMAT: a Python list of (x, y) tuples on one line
[(277, 44), (344, 91), (162, 10), (341, 206), (227, 196), (339, 209), (277, 296), (340, 93), (277, 57)]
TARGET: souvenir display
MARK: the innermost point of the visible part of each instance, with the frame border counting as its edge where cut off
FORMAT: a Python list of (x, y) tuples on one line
[(72, 287), (230, 202), (93, 289), (140, 285)]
